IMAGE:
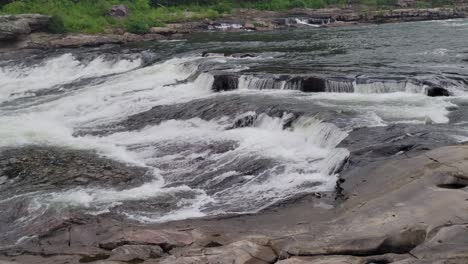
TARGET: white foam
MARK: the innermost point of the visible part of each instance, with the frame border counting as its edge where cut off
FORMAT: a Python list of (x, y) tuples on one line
[(391, 107), (306, 152), (56, 71), (302, 21), (123, 95)]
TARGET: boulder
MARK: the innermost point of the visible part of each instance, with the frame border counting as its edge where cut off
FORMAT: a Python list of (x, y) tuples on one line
[(437, 91), (225, 82), (119, 11), (14, 26), (308, 84), (240, 252)]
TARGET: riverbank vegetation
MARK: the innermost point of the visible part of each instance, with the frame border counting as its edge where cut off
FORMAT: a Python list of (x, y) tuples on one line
[(91, 16)]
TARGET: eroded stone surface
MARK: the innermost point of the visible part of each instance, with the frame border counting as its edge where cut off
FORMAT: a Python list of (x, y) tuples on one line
[(163, 238), (135, 252)]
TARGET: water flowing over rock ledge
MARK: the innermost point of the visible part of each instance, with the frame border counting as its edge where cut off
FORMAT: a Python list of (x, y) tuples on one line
[(406, 205), (105, 150)]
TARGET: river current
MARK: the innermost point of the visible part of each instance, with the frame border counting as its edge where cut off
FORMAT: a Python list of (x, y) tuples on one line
[(209, 153)]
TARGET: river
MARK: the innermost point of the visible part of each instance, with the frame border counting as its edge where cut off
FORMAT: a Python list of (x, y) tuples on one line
[(209, 152)]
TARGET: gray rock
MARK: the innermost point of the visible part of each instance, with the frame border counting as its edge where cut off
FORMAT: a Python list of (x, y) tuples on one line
[(49, 168), (449, 242), (14, 26), (164, 238), (225, 82), (119, 11), (240, 252), (323, 260), (135, 252)]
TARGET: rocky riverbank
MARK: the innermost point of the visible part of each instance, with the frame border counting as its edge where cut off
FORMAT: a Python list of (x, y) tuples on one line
[(403, 200), (30, 30), (105, 149)]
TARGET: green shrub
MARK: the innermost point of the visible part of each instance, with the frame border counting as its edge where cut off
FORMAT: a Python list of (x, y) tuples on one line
[(223, 7), (138, 25), (297, 4), (56, 25)]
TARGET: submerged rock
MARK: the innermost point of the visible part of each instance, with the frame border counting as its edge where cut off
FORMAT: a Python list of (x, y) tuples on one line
[(225, 82), (35, 168), (437, 91)]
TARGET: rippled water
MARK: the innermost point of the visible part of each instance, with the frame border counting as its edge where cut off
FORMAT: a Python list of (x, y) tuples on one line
[(152, 105)]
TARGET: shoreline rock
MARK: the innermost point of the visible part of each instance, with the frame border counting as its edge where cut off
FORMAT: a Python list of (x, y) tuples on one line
[(15, 30), (15, 26)]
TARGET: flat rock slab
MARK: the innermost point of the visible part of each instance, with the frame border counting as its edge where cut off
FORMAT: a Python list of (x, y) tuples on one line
[(164, 238), (240, 252), (136, 252)]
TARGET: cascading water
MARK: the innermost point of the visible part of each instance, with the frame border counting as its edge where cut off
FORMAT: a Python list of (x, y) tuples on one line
[(208, 153)]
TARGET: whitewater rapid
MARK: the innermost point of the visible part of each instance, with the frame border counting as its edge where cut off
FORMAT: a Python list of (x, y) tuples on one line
[(207, 167)]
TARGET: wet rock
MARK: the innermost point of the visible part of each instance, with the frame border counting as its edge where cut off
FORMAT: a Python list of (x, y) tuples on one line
[(437, 91), (390, 142), (246, 120), (136, 252), (14, 26), (119, 11), (313, 84), (243, 55), (164, 238), (35, 168), (227, 105), (308, 84), (225, 82)]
